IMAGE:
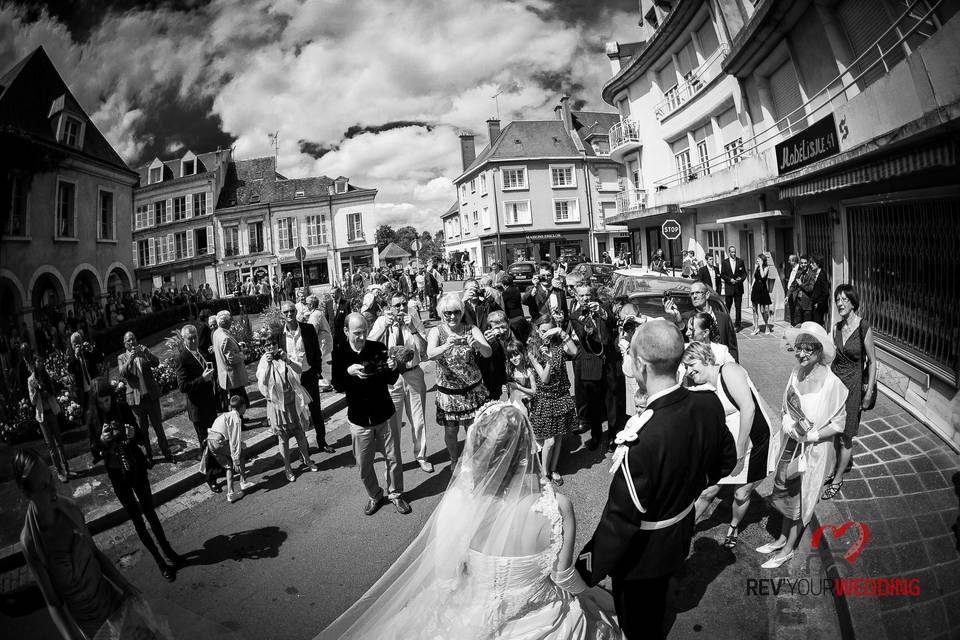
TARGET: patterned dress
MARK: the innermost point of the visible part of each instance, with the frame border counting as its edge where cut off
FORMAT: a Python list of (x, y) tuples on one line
[(460, 390), (554, 412)]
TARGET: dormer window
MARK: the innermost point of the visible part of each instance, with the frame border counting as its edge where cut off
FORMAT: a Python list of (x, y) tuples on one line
[(601, 145), (71, 131), (255, 197), (189, 167), (298, 194), (156, 174), (341, 186)]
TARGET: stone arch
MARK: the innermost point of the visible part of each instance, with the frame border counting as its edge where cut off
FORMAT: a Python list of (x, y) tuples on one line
[(118, 275), (12, 300), (53, 279), (85, 274)]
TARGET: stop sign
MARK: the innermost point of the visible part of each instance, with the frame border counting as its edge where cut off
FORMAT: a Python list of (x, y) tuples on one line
[(670, 229)]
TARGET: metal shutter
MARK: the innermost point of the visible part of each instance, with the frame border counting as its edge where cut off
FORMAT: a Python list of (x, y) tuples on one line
[(667, 76), (707, 36), (864, 21), (785, 90)]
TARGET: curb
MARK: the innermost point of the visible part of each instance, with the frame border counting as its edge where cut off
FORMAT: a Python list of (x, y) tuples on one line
[(113, 514)]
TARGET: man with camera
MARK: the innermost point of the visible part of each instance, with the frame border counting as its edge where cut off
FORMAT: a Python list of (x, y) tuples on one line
[(399, 333), (493, 368), (537, 295), (195, 375), (477, 306), (364, 371), (83, 363), (301, 343), (597, 370), (143, 393)]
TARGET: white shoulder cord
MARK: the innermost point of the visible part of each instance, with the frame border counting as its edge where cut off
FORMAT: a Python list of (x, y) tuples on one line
[(621, 461)]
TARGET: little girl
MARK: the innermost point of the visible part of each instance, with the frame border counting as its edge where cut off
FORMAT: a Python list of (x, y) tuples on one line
[(522, 383), (554, 412)]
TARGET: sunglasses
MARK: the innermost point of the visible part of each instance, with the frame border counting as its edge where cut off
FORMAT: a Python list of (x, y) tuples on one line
[(452, 313), (398, 305), (287, 312)]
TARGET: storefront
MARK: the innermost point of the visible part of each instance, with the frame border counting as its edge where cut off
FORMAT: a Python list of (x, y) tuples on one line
[(317, 272), (350, 259)]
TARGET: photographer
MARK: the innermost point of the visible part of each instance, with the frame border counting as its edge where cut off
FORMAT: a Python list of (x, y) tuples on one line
[(143, 393), (597, 370), (477, 305), (493, 369), (538, 293), (83, 363)]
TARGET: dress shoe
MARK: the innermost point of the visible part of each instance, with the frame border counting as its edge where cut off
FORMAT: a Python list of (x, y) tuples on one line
[(770, 547), (426, 466), (327, 448), (775, 562), (373, 505), (214, 488), (401, 505), (233, 496)]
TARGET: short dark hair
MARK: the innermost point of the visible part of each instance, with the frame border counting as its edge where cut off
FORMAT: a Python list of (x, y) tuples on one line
[(507, 280), (805, 257), (850, 293)]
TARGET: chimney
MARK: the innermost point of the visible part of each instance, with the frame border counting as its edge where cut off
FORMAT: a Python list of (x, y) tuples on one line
[(493, 130), (565, 108), (468, 152)]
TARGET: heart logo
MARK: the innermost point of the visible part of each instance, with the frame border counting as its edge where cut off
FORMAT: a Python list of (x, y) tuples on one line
[(854, 552)]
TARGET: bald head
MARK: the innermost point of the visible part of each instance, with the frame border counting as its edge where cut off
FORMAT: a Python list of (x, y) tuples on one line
[(356, 321), (659, 345), (356, 329)]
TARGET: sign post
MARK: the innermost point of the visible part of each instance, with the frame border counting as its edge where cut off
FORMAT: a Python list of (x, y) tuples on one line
[(671, 231), (415, 245), (301, 255)]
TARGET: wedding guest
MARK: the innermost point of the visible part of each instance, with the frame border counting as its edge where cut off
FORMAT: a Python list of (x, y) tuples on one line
[(522, 383), (318, 320), (230, 365), (83, 363), (397, 331), (136, 365), (709, 275), (702, 327), (47, 413), (195, 379), (493, 369), (700, 298), (513, 306), (760, 295), (454, 345), (747, 423), (855, 345), (790, 275), (225, 445), (302, 346), (733, 273), (476, 305), (364, 371), (813, 413), (338, 312), (278, 379)]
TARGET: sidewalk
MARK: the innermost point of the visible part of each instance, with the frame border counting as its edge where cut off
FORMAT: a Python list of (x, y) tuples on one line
[(904, 486)]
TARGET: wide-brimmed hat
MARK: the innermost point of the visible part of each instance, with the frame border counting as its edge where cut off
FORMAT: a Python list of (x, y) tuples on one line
[(811, 332)]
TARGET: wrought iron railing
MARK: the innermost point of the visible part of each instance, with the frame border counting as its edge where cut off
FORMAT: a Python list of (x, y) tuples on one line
[(624, 132), (631, 200), (692, 84)]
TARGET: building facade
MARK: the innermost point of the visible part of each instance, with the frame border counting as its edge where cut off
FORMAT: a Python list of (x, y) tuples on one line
[(65, 235), (540, 190), (174, 243), (825, 128)]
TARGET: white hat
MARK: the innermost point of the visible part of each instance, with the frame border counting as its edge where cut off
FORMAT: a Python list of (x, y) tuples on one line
[(813, 332)]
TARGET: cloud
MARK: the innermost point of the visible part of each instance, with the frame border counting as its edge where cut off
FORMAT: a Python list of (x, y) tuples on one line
[(371, 90)]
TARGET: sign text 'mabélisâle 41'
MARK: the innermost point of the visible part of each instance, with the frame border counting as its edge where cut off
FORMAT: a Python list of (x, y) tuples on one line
[(816, 142)]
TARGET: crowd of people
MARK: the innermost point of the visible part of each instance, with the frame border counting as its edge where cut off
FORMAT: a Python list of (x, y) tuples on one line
[(501, 358)]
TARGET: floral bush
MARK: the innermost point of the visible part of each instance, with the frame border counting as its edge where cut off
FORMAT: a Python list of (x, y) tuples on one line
[(17, 422)]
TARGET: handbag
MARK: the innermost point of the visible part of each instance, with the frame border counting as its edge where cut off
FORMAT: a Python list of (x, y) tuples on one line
[(869, 396), (798, 464)]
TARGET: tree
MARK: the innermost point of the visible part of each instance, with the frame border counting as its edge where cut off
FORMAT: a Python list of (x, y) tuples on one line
[(385, 235), (406, 236)]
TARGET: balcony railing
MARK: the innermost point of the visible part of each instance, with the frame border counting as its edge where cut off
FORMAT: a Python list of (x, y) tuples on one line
[(693, 83), (631, 201), (623, 133)]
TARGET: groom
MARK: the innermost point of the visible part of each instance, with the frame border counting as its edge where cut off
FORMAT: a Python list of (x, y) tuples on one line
[(681, 449)]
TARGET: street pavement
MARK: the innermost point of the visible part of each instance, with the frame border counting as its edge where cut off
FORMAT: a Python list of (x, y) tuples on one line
[(288, 558)]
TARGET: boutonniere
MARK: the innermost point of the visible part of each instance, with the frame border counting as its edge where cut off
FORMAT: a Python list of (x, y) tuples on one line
[(628, 435)]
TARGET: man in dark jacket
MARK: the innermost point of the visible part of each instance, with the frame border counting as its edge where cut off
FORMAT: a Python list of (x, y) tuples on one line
[(196, 377), (476, 306), (700, 298), (680, 445), (83, 363), (494, 368), (821, 291), (733, 273), (363, 371), (513, 307), (710, 275), (537, 295), (301, 343)]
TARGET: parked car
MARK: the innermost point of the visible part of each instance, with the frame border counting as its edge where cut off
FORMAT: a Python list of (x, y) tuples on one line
[(522, 273), (596, 273), (639, 291)]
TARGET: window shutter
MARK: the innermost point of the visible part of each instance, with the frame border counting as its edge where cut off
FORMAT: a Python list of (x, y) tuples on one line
[(171, 254), (864, 21), (687, 59), (169, 212), (667, 76), (188, 200), (208, 198), (210, 239), (730, 128), (189, 235), (785, 90), (135, 256), (152, 250)]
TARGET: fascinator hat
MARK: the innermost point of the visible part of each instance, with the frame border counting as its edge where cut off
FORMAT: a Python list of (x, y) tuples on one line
[(813, 333)]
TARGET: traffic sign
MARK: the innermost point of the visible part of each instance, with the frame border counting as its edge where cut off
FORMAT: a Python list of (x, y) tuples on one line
[(415, 245), (301, 254), (670, 229)]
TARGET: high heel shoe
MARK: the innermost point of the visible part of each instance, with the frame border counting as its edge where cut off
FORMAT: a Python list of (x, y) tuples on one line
[(770, 547), (775, 562)]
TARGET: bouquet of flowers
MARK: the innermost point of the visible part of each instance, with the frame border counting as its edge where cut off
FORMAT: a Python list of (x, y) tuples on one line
[(401, 353), (17, 423), (166, 376)]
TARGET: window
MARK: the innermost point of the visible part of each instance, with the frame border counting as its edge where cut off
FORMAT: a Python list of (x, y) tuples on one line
[(316, 230), (188, 167), (633, 171), (17, 223), (299, 193), (66, 210), (562, 177), (476, 218), (286, 233), (601, 146), (231, 241), (609, 179), (354, 227), (255, 197), (608, 209), (787, 99), (255, 233), (734, 151), (704, 156), (566, 211), (483, 184), (200, 241), (463, 193), (142, 218), (159, 212), (71, 132), (107, 217), (166, 247), (683, 165), (466, 225), (156, 175), (341, 186), (143, 252), (715, 245), (651, 18), (486, 217), (181, 246), (517, 212), (514, 178), (200, 204), (180, 208), (473, 186)]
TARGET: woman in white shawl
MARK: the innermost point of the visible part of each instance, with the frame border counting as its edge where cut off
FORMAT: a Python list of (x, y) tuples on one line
[(813, 413), (278, 378)]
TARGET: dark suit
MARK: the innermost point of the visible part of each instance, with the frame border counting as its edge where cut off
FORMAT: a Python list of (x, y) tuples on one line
[(598, 382), (339, 312), (513, 307), (684, 448), (476, 314), (90, 365), (821, 297), (310, 379), (715, 283), (733, 286), (791, 295), (202, 401), (728, 335), (536, 299)]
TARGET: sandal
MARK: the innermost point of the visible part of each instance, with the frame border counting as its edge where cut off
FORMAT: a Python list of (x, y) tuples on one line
[(832, 490), (829, 479), (557, 479), (730, 541), (168, 572)]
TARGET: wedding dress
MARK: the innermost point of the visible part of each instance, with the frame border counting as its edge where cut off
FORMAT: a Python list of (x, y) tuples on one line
[(485, 565)]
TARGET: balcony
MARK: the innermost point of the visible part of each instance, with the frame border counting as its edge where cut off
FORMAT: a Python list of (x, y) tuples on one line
[(631, 201), (624, 138), (692, 84)]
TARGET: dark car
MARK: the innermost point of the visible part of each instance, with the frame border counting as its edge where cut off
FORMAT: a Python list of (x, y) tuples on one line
[(641, 292), (522, 273), (596, 273)]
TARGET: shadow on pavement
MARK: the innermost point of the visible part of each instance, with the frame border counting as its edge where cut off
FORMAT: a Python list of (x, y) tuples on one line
[(432, 486), (254, 544), (22, 602), (704, 565)]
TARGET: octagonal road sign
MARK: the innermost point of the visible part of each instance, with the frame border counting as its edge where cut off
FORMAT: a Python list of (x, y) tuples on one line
[(301, 254), (670, 229)]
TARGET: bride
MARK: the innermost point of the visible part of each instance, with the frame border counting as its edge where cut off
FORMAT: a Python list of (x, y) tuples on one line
[(495, 560)]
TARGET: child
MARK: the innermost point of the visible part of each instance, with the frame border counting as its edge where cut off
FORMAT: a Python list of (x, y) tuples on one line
[(522, 384), (225, 445), (554, 413)]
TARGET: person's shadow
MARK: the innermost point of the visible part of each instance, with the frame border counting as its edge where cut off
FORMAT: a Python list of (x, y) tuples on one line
[(253, 544), (689, 585)]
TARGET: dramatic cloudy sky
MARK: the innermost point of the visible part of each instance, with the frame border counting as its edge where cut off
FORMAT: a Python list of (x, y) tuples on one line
[(375, 90)]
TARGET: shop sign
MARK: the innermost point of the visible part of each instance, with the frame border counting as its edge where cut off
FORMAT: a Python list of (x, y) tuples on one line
[(545, 236), (816, 142)]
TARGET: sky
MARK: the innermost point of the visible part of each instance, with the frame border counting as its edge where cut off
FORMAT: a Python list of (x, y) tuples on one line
[(375, 90)]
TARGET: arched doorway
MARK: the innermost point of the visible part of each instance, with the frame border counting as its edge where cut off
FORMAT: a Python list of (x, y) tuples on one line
[(117, 282), (47, 298), (10, 307), (86, 290)]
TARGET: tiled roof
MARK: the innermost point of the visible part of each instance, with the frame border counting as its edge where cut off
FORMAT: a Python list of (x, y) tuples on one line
[(171, 168), (454, 208), (256, 181), (28, 93)]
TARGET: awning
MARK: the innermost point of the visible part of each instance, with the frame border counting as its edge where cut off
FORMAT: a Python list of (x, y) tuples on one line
[(759, 215), (940, 155)]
